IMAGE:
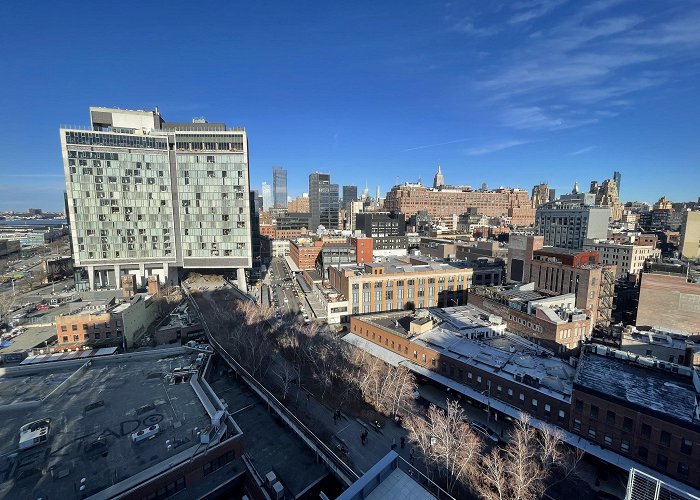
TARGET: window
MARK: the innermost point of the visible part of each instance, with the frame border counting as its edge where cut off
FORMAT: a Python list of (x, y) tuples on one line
[(75, 338), (686, 446), (627, 424), (522, 397), (665, 439), (64, 328), (683, 470), (661, 461), (610, 419), (594, 412), (577, 425), (579, 405), (625, 445), (562, 415), (510, 393), (646, 431), (643, 453), (65, 338), (547, 410), (591, 433), (608, 439), (74, 328)]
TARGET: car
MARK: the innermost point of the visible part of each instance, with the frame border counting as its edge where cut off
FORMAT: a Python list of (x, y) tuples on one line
[(480, 428)]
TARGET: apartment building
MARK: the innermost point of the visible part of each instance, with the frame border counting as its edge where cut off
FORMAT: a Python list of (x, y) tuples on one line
[(446, 204), (401, 283), (628, 258), (304, 252), (567, 224), (101, 323), (149, 197)]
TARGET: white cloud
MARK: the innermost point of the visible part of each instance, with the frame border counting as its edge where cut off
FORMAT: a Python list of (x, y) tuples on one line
[(492, 148), (583, 150)]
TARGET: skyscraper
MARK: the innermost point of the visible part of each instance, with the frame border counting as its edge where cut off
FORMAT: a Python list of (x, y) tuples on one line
[(323, 201), (617, 177), (266, 196), (279, 187), (152, 198), (439, 180), (541, 194), (349, 194)]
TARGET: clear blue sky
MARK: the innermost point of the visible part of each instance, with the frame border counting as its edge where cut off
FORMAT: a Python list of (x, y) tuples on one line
[(508, 93)]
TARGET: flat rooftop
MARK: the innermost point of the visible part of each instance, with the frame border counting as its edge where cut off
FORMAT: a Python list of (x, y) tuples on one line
[(471, 336), (670, 394), (93, 411)]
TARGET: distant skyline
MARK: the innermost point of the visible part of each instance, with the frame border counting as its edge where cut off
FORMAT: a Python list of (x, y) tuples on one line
[(502, 93)]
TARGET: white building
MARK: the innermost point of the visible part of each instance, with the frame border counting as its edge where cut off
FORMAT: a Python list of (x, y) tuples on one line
[(280, 248), (628, 258), (151, 198)]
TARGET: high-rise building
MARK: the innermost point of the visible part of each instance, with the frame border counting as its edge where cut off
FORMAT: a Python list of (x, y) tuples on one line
[(279, 187), (439, 180), (152, 198), (607, 195), (349, 195), (617, 177), (567, 224), (267, 196), (541, 194), (300, 204), (323, 202)]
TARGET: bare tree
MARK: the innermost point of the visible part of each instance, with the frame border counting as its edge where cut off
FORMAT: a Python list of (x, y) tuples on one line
[(528, 463), (447, 443), (286, 375)]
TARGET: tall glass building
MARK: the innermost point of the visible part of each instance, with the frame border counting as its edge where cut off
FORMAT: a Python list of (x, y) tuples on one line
[(324, 203), (148, 197), (279, 187)]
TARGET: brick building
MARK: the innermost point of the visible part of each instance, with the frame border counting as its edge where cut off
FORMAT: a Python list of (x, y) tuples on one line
[(553, 322), (304, 253), (643, 409), (446, 204), (669, 302), (457, 343), (363, 249), (401, 283), (106, 323)]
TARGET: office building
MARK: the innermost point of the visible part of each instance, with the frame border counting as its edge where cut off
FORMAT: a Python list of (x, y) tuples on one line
[(304, 252), (569, 225), (439, 179), (690, 235), (149, 197), (349, 195), (324, 203), (628, 258), (445, 205), (401, 283), (607, 195), (279, 187), (334, 254), (377, 224), (267, 200)]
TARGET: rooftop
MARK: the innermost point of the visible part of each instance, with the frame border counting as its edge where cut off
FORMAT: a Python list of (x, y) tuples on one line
[(94, 407), (473, 336), (634, 380)]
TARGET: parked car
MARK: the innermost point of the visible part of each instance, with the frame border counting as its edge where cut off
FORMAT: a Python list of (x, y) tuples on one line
[(484, 431)]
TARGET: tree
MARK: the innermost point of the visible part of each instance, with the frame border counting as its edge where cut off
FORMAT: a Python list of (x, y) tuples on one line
[(447, 443), (528, 463)]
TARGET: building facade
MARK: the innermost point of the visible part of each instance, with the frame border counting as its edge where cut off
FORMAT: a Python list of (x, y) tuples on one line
[(324, 203), (149, 197), (401, 283), (349, 195), (669, 302), (568, 225), (300, 204), (690, 235), (447, 203), (629, 259), (304, 253), (279, 187)]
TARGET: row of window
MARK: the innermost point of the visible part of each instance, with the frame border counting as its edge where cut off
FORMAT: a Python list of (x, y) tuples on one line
[(86, 326), (90, 336)]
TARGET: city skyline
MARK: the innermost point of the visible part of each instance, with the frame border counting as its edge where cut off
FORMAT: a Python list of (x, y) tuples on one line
[(502, 94)]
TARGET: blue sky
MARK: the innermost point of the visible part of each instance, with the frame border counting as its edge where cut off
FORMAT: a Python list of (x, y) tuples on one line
[(509, 93)]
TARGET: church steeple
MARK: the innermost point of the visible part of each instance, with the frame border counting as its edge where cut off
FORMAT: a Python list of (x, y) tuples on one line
[(439, 180)]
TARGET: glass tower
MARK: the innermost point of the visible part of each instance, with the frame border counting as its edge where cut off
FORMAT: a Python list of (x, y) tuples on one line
[(279, 187)]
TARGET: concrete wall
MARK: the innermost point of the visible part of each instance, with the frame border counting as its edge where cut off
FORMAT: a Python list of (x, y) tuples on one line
[(669, 303)]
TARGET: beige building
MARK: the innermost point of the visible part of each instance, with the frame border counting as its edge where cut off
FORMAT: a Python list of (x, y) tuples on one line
[(669, 302), (106, 323), (445, 205), (628, 258), (690, 235), (300, 204), (401, 283)]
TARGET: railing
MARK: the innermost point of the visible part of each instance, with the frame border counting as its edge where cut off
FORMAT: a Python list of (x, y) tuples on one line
[(340, 468), (642, 486)]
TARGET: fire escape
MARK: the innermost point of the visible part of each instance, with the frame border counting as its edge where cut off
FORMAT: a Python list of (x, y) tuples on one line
[(607, 296)]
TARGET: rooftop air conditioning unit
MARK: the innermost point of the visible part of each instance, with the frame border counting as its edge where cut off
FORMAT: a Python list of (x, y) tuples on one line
[(144, 434)]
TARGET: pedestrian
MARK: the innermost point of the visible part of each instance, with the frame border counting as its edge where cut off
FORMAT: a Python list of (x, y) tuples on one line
[(412, 455), (403, 442)]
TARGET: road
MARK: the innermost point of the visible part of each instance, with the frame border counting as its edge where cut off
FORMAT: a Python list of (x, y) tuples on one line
[(286, 296)]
